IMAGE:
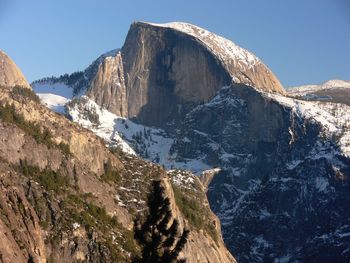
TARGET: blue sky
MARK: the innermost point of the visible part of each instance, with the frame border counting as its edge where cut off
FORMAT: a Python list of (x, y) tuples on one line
[(302, 41)]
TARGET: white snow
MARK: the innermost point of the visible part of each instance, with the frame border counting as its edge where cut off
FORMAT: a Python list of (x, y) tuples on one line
[(53, 95), (54, 102), (182, 178)]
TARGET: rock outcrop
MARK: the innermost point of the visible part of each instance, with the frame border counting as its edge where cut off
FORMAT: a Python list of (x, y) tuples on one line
[(10, 74), (108, 86), (202, 246)]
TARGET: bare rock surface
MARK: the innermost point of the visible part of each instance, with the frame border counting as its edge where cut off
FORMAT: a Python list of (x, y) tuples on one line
[(10, 74)]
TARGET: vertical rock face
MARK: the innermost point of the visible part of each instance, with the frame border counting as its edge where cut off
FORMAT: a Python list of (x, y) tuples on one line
[(10, 74), (108, 86), (169, 68), (164, 69)]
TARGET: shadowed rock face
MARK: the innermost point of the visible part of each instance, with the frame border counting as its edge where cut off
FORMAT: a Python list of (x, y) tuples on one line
[(279, 194), (170, 68), (10, 74)]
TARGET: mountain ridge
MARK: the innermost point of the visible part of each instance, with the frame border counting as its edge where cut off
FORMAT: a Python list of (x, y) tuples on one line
[(337, 91)]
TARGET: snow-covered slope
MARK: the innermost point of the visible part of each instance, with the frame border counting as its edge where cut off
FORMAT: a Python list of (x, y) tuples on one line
[(150, 143), (56, 92), (54, 95), (282, 166), (331, 84), (332, 90)]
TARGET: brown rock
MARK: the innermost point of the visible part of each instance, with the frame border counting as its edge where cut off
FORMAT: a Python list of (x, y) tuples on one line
[(108, 87)]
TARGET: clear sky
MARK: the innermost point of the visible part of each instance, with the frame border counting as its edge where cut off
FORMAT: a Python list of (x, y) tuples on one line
[(302, 41)]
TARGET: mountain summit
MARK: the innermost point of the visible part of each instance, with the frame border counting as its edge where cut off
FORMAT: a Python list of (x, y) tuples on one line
[(164, 67)]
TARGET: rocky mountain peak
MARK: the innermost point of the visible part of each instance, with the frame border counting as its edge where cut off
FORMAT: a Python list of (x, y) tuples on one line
[(10, 74), (163, 70), (235, 59)]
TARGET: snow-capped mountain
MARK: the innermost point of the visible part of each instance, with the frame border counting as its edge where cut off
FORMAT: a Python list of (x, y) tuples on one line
[(333, 91), (186, 98)]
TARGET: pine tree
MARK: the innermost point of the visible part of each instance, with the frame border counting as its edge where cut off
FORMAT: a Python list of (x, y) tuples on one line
[(158, 235)]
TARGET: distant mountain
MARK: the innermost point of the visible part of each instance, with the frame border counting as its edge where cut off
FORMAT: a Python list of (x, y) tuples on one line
[(337, 91), (10, 74)]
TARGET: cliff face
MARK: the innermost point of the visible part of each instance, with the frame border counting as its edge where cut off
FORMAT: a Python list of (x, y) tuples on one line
[(108, 86), (10, 74), (164, 69), (172, 67)]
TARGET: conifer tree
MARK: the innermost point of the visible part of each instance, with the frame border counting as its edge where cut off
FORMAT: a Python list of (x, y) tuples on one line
[(158, 235)]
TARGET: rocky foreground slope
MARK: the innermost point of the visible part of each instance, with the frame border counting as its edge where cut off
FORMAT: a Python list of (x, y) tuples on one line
[(65, 197)]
